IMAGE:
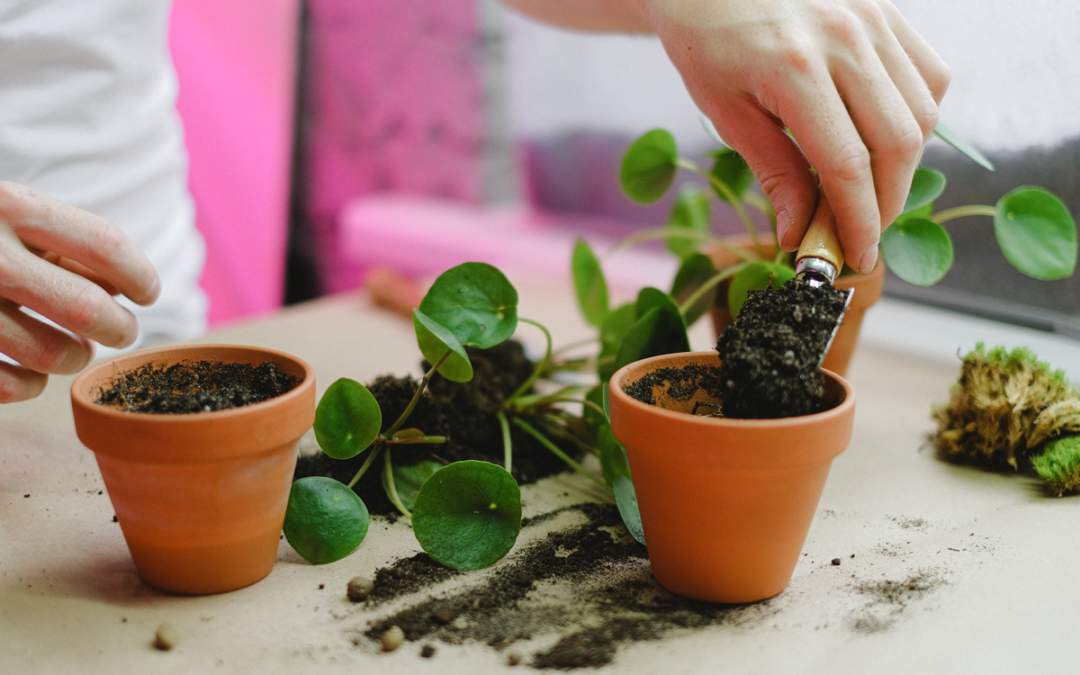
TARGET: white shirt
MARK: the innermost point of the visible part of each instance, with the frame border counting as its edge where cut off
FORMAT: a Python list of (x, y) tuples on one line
[(87, 94)]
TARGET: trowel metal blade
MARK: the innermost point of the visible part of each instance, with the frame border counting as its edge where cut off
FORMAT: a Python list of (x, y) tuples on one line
[(839, 320)]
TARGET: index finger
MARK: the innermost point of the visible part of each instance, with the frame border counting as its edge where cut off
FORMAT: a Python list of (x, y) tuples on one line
[(90, 241)]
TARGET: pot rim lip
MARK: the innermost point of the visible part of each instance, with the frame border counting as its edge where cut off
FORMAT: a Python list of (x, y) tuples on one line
[(616, 392), (96, 373)]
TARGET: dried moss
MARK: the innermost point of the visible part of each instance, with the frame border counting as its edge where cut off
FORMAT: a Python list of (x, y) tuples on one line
[(1003, 409)]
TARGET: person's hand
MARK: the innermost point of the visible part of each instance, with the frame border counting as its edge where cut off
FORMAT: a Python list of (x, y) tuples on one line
[(850, 79), (65, 264)]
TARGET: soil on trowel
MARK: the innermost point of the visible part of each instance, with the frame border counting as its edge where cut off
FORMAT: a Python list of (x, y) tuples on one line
[(770, 357), (195, 386), (588, 588), (464, 412)]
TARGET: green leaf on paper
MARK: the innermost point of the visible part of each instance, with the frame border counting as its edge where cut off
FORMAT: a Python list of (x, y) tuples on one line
[(324, 520), (468, 514)]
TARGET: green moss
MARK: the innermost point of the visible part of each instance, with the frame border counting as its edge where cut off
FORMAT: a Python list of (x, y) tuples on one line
[(1004, 409), (1059, 465)]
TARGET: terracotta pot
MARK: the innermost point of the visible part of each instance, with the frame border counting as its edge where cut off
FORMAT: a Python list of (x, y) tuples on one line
[(725, 504), (868, 289), (200, 497)]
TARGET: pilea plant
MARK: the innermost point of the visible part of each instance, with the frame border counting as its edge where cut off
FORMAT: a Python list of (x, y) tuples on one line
[(1034, 229), (465, 514)]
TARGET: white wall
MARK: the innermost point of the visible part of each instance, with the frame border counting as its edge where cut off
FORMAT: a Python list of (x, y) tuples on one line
[(1015, 64)]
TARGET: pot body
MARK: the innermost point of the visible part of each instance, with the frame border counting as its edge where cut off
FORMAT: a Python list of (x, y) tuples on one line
[(726, 504), (868, 289), (200, 497)]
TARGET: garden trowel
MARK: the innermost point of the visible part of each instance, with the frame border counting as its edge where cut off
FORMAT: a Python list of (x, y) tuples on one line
[(820, 259)]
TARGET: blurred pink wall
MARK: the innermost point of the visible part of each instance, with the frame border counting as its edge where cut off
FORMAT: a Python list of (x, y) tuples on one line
[(394, 102), (236, 64)]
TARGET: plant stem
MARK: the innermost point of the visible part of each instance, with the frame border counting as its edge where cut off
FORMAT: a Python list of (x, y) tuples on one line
[(712, 282), (574, 345), (657, 233), (540, 367), (963, 211), (367, 463), (507, 443), (392, 487), (736, 202), (389, 433), (415, 439), (543, 440), (533, 400)]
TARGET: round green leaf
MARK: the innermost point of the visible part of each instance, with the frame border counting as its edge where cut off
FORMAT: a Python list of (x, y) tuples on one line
[(649, 167), (926, 186), (434, 341), (592, 292), (612, 332), (1036, 233), (476, 302), (695, 270), (347, 419), (755, 277), (626, 500), (659, 330), (917, 250), (409, 478), (690, 212), (325, 520), (468, 515), (731, 169)]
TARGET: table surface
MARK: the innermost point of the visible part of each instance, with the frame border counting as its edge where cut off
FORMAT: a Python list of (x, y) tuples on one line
[(988, 559)]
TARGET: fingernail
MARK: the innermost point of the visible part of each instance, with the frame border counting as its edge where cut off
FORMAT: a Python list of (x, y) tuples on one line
[(783, 224), (868, 260)]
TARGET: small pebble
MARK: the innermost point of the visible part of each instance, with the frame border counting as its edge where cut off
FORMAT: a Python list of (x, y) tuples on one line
[(514, 657), (427, 651), (836, 561), (393, 638), (359, 588), (166, 637)]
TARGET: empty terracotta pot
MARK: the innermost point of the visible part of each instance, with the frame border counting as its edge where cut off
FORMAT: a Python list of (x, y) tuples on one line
[(200, 497), (726, 504)]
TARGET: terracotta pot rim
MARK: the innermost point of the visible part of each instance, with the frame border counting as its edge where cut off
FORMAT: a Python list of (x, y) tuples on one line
[(645, 365), (82, 387)]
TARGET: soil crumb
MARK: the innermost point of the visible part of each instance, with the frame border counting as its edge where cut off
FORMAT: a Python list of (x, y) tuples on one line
[(770, 356), (888, 599), (195, 386), (523, 601)]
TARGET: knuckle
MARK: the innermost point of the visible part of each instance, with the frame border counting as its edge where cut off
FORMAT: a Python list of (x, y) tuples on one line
[(843, 25), (83, 313), (51, 356), (851, 164)]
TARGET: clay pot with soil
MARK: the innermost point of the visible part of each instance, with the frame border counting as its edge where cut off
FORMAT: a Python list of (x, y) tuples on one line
[(200, 496), (725, 503)]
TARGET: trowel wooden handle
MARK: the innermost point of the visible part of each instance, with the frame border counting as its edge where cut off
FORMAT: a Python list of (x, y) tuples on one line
[(820, 240)]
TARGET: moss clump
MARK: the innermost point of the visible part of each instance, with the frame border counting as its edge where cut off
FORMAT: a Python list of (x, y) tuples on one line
[(1059, 465), (1005, 410)]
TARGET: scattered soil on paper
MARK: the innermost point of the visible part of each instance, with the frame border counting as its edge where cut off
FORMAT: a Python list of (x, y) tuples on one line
[(195, 386), (615, 598), (464, 412), (887, 599), (770, 356)]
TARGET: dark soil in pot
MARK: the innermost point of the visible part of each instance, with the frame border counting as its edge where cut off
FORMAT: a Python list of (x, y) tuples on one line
[(464, 412), (770, 357), (195, 386)]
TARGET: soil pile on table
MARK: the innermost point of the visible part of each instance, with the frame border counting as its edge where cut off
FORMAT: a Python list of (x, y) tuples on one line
[(771, 355), (195, 386), (464, 412), (615, 599)]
